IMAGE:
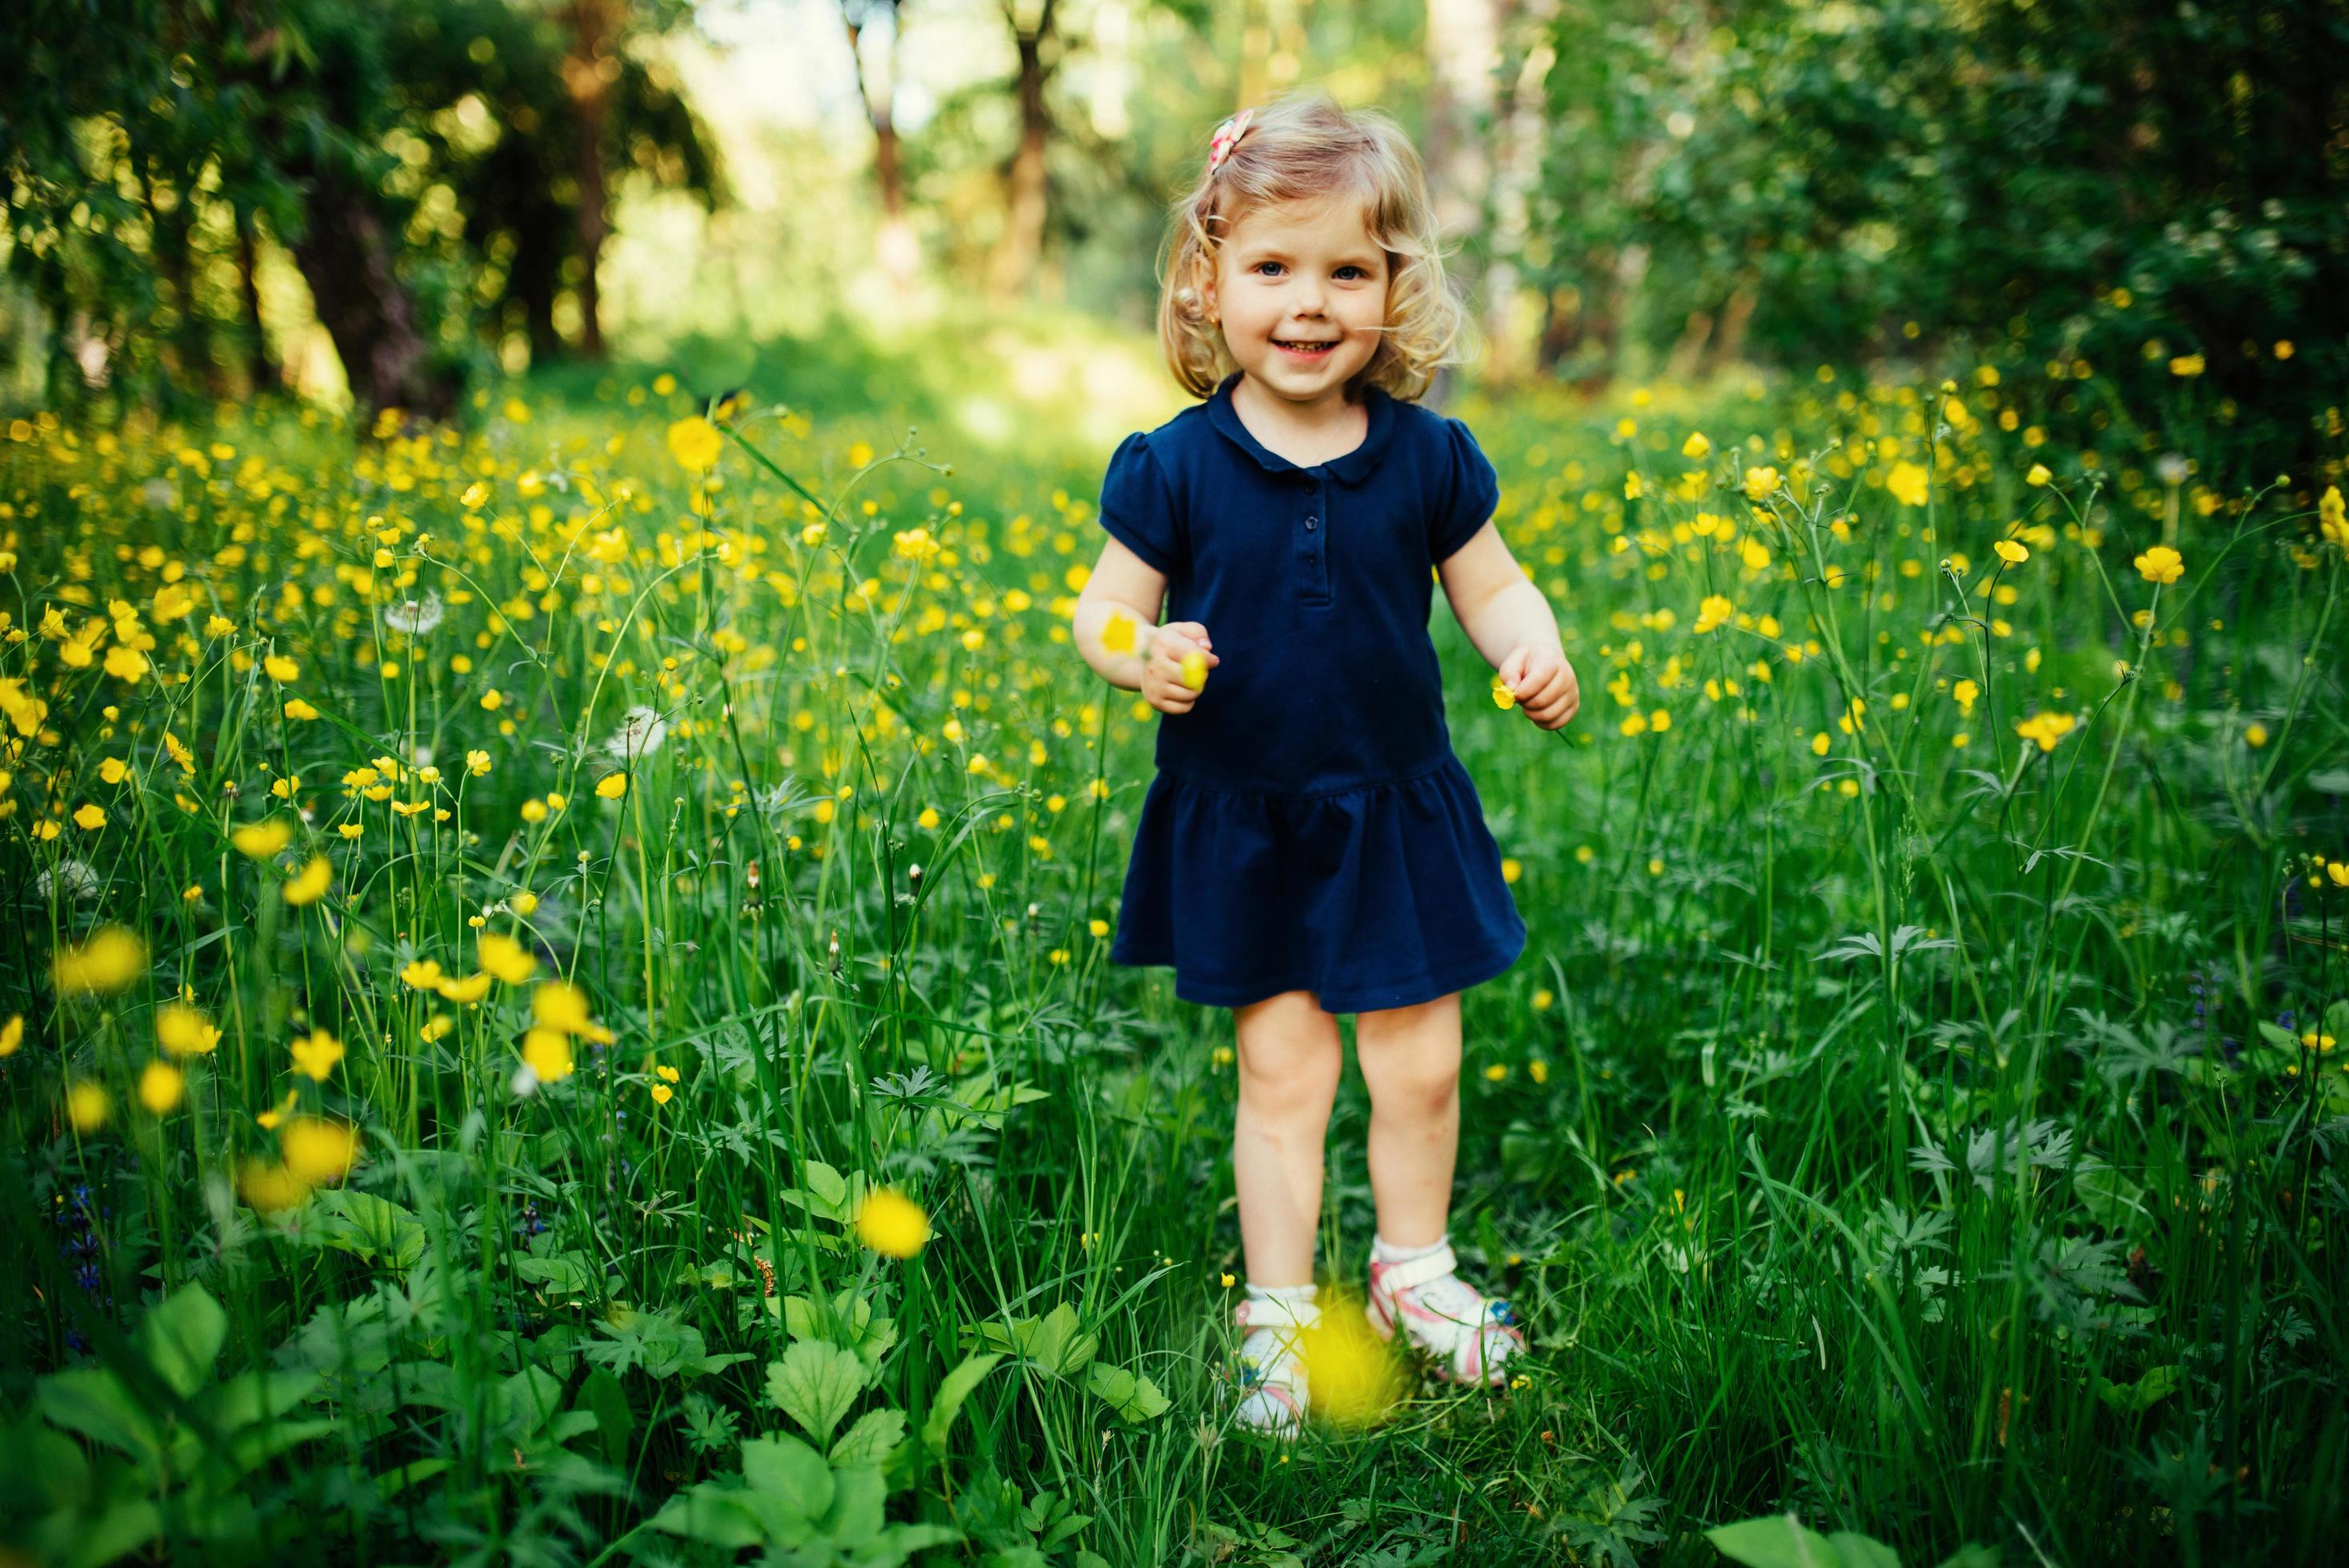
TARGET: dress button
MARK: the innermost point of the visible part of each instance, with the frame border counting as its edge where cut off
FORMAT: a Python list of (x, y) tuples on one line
[(1312, 523)]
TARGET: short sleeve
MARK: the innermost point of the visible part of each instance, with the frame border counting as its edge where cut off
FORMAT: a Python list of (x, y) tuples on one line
[(1470, 492), (1137, 508)]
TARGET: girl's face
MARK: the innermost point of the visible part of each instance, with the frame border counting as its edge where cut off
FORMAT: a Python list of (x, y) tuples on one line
[(1301, 288)]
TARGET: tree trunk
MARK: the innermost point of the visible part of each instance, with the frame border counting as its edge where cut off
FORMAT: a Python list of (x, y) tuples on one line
[(365, 308), (1023, 245), (588, 73), (897, 251), (259, 368)]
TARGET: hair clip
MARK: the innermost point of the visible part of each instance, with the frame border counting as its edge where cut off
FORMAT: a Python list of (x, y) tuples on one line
[(1226, 137)]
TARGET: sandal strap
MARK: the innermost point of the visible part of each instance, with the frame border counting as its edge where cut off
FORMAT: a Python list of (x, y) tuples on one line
[(1306, 1314), (1414, 1271)]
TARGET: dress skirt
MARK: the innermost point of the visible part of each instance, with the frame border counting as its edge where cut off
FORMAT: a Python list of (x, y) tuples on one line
[(1385, 896)]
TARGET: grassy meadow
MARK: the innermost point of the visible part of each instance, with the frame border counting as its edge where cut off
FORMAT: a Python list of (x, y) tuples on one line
[(557, 1005)]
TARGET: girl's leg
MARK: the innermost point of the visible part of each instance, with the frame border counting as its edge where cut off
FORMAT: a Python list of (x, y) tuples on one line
[(1289, 1056), (1411, 1062)]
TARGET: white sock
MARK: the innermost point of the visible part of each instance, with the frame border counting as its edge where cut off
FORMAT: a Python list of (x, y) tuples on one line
[(1382, 1253), (1294, 1302)]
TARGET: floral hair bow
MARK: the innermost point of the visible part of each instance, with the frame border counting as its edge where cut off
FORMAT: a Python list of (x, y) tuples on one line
[(1226, 137)]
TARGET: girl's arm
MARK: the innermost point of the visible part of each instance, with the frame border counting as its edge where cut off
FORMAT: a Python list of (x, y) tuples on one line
[(1123, 584), (1512, 624)]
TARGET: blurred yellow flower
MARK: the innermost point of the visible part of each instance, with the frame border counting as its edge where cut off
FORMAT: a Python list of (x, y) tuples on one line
[(2046, 728), (269, 1187), (469, 989), (612, 786), (548, 1052), (1354, 1376), (86, 1106), (477, 763), (12, 1033), (184, 1031), (559, 1005), (1696, 448), (259, 840), (89, 818), (2333, 517), (1760, 483), (318, 1149), (1117, 632), (310, 883), (695, 442), (2038, 475), (2011, 552), (315, 1054), (110, 959), (2160, 564), (507, 959), (1503, 697), (892, 1223), (281, 669), (160, 1086), (297, 708), (1712, 611), (1908, 483), (1195, 669)]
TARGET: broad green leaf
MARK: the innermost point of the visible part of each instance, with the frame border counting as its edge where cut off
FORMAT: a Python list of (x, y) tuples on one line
[(571, 1275), (870, 1441), (372, 1227), (1130, 1395), (1778, 1541), (603, 1396), (1859, 1551), (2156, 1384), (92, 1401), (826, 1193), (84, 1540), (786, 1469), (713, 1515), (815, 1383), (181, 1337), (952, 1392), (857, 1516)]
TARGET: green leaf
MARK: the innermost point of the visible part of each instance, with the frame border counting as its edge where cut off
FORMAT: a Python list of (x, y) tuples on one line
[(1859, 1551), (871, 1439), (92, 1401), (788, 1471), (952, 1392), (570, 1274), (2156, 1384), (603, 1396), (181, 1339), (374, 1228), (1779, 1540), (815, 1383), (1130, 1395), (825, 1194), (714, 1515), (2111, 1199)]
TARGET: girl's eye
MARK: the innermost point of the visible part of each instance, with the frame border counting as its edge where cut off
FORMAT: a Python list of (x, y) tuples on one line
[(1350, 267), (1261, 265)]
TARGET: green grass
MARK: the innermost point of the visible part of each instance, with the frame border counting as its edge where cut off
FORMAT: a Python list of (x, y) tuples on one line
[(1904, 1133)]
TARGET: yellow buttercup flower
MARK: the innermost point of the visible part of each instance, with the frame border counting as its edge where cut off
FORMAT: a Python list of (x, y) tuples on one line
[(1504, 697), (12, 1033), (269, 1188), (612, 786), (1696, 448), (2046, 728), (184, 1031), (2160, 564), (2011, 552), (469, 989), (259, 840), (695, 442), (89, 818), (1712, 611), (1908, 483), (318, 1149), (505, 958), (2333, 517), (110, 960), (548, 1052), (281, 669), (892, 1223), (310, 883), (1354, 1376), (86, 1106), (1195, 669), (160, 1086), (315, 1054), (2037, 475)]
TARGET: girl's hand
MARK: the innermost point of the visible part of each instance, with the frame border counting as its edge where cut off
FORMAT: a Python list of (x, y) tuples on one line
[(1162, 685), (1543, 683)]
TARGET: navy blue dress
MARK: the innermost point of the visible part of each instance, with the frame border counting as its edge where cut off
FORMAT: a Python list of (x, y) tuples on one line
[(1309, 827)]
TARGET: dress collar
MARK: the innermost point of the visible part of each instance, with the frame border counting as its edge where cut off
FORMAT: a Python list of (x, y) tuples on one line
[(1352, 467)]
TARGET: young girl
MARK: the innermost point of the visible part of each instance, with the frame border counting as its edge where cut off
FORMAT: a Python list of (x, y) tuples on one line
[(1311, 845)]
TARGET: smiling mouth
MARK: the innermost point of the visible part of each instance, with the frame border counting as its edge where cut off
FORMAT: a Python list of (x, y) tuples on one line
[(1306, 347)]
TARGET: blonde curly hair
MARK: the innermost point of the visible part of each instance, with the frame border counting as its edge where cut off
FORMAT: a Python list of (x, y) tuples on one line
[(1303, 146)]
